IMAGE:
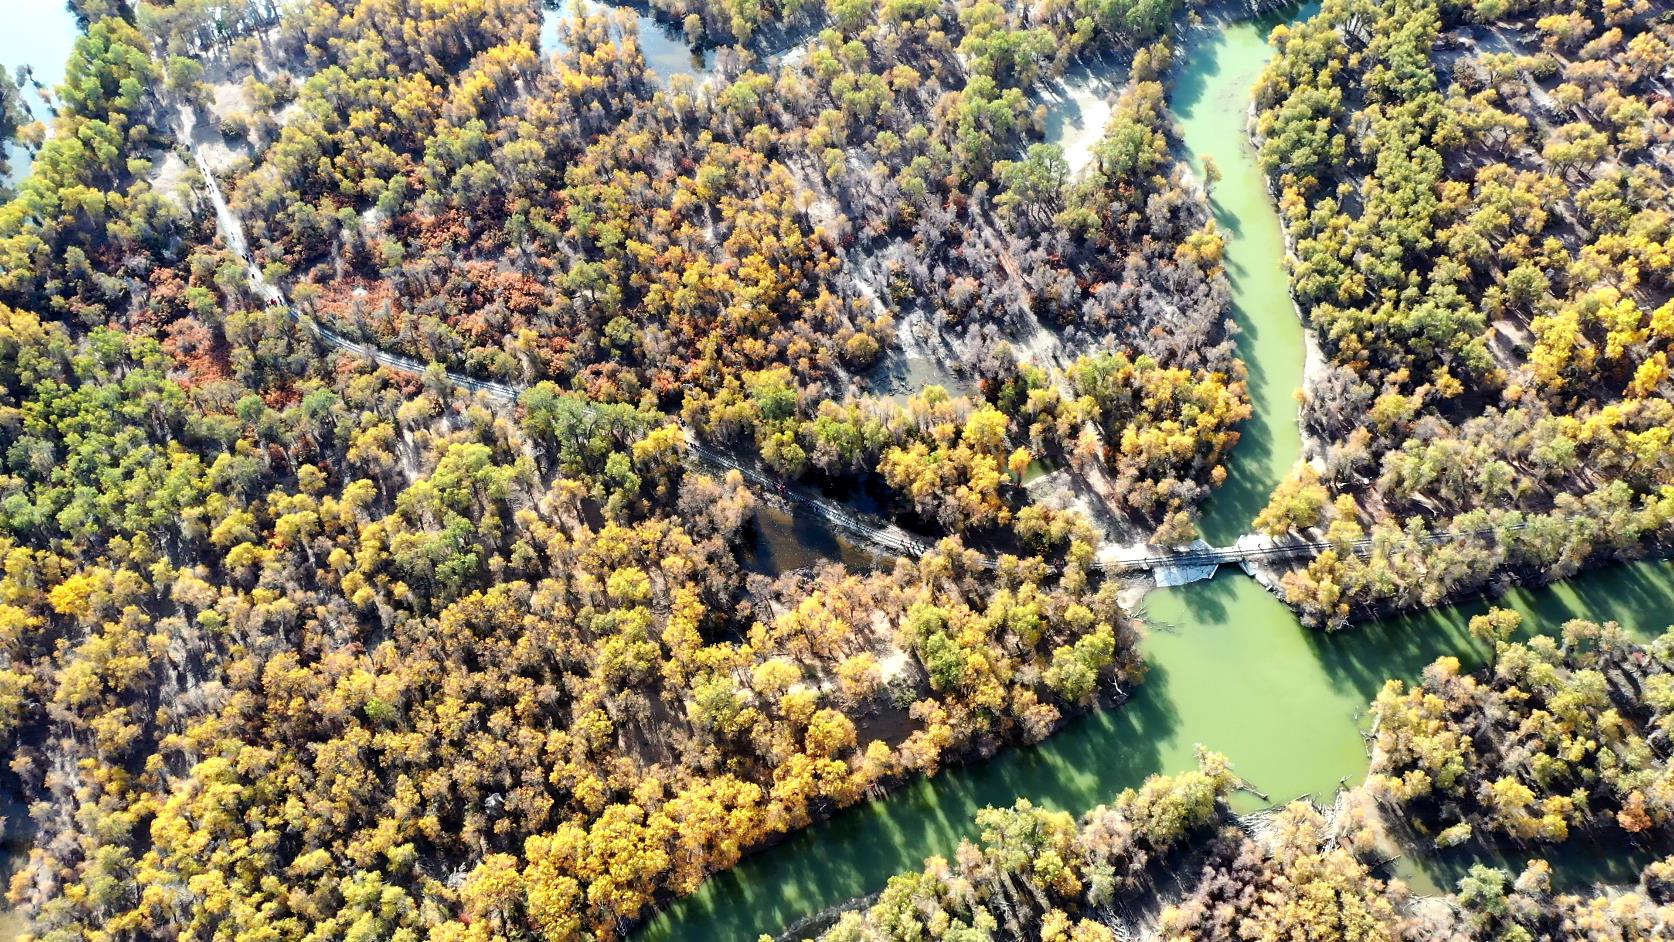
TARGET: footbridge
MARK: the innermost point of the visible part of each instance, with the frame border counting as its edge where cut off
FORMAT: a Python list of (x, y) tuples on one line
[(1255, 548), (1171, 566), (866, 528)]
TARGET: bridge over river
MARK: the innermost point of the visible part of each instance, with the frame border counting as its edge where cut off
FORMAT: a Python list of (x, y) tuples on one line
[(1174, 566)]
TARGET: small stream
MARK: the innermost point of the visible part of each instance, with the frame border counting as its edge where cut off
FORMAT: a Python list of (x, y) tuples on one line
[(1211, 98)]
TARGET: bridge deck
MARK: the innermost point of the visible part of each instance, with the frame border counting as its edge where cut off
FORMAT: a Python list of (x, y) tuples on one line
[(1221, 555), (880, 533)]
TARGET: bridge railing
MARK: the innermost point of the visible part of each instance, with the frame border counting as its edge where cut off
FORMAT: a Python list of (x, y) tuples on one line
[(879, 533), (1222, 555)]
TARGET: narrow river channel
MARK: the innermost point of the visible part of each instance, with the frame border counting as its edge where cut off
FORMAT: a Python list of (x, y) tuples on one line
[(1210, 98), (1230, 666)]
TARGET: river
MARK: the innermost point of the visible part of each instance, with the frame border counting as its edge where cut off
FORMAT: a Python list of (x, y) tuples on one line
[(1230, 666), (1210, 98)]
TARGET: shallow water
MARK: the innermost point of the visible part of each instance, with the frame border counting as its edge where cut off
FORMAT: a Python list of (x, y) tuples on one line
[(39, 34), (785, 541), (662, 43)]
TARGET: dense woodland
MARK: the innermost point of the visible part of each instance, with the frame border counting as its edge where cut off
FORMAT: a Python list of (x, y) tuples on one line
[(525, 215), (1476, 198), (1561, 736), (296, 648), (299, 649)]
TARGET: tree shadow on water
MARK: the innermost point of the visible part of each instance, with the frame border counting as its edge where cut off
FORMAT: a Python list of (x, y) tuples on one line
[(1639, 596), (1361, 659), (1581, 862), (1199, 64), (854, 853), (1208, 601), (1249, 481)]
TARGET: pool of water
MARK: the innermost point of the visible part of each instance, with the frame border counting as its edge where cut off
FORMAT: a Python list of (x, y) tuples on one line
[(38, 34), (786, 541), (662, 43)]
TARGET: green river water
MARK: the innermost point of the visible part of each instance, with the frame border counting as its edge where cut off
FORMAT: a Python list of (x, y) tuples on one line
[(1211, 98), (1230, 666)]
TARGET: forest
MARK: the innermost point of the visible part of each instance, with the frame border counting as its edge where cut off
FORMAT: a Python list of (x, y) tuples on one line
[(297, 647), (1561, 738), (1475, 197), (528, 216), (14, 118), (1560, 734)]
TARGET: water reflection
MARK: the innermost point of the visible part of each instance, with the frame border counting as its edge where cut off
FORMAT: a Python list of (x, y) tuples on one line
[(789, 541), (661, 42), (1577, 864), (39, 34)]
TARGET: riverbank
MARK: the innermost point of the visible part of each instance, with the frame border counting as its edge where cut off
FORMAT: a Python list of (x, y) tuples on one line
[(1229, 665), (39, 37), (1211, 642), (1228, 668)]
